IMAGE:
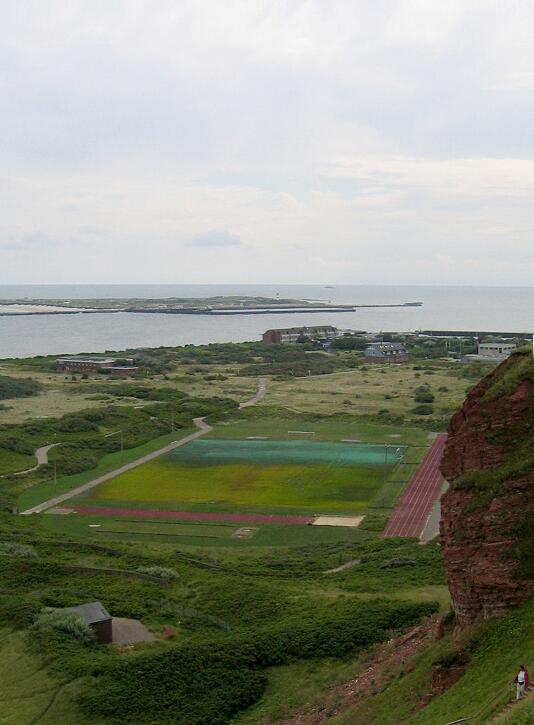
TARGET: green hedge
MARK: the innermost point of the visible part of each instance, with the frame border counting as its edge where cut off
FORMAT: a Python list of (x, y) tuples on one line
[(207, 683)]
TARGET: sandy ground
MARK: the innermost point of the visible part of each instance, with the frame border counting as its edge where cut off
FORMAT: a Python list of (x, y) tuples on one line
[(338, 521), (129, 631), (32, 309)]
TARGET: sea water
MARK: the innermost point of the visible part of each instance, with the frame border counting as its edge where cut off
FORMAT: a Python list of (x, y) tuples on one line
[(444, 308)]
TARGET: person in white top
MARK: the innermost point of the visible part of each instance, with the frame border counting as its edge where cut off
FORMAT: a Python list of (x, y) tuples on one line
[(521, 681)]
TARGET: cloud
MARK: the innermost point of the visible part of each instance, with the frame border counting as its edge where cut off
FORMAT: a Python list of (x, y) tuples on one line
[(215, 238), (329, 136)]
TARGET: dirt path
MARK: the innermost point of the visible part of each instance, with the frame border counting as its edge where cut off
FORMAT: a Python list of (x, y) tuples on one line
[(41, 455), (200, 423), (260, 394)]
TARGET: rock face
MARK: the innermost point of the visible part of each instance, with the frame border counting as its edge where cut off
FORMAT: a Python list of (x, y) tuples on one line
[(488, 512), (443, 678)]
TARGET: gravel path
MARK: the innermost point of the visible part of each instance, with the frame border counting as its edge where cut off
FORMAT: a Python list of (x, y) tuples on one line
[(42, 458)]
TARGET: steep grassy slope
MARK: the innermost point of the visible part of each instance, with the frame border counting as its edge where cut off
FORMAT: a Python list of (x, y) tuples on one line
[(495, 649)]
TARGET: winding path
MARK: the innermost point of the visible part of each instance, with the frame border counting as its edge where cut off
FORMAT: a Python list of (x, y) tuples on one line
[(42, 458), (200, 423)]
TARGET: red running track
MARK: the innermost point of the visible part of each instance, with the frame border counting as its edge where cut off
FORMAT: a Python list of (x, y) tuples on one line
[(412, 511), (195, 515)]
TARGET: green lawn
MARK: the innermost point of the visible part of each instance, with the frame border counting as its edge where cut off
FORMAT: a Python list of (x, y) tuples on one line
[(309, 488), (200, 534), (302, 475), (256, 423), (43, 491)]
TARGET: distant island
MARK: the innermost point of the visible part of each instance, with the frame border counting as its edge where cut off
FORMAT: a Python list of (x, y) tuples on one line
[(220, 305)]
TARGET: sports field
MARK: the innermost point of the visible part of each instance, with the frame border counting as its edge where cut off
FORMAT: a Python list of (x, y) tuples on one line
[(270, 475)]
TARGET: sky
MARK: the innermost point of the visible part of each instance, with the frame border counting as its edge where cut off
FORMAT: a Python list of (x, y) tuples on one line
[(239, 141)]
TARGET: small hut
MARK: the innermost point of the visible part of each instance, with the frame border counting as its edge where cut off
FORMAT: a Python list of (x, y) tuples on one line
[(98, 618)]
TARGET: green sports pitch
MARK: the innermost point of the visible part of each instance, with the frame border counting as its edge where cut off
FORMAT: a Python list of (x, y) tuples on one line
[(223, 475)]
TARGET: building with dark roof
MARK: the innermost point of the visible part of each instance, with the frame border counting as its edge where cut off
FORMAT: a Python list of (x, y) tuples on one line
[(95, 365), (386, 352), (293, 334), (98, 618)]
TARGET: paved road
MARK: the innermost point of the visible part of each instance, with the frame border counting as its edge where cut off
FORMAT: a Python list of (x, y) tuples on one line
[(200, 423), (411, 513)]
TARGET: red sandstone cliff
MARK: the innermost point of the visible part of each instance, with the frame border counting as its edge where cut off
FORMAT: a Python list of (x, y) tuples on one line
[(487, 520)]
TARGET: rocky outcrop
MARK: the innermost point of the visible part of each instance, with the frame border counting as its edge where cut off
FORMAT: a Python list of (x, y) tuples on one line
[(488, 512)]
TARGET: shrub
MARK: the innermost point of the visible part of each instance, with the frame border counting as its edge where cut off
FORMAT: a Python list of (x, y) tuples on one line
[(423, 409), (424, 397), (18, 611), (203, 682), (18, 388), (163, 572), (14, 549), (50, 619)]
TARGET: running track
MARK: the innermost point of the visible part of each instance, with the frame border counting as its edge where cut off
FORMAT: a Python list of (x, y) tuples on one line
[(412, 511), (195, 515)]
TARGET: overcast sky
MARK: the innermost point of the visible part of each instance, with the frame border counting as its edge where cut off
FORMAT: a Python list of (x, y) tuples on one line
[(203, 141)]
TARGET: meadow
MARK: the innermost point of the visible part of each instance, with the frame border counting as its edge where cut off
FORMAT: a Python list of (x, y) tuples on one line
[(303, 476), (368, 389)]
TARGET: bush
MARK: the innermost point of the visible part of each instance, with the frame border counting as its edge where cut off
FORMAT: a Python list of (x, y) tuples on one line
[(424, 397), (61, 620), (18, 611), (18, 388), (423, 409), (13, 549), (202, 683), (163, 572), (75, 424)]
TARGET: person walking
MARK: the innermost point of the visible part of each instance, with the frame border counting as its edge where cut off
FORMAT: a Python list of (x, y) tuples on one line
[(521, 681)]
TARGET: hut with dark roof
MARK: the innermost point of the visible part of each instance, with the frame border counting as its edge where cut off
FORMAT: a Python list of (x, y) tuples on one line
[(98, 618)]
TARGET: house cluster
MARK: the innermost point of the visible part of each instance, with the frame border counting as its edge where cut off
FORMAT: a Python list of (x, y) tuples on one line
[(97, 364), (375, 352)]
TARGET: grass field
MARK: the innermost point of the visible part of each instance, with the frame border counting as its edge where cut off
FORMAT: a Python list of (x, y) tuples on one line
[(105, 529), (301, 475), (280, 428), (31, 695), (62, 395), (368, 390), (42, 491)]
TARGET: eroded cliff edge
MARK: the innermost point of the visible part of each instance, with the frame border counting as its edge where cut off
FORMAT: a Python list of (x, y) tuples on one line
[(487, 525)]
